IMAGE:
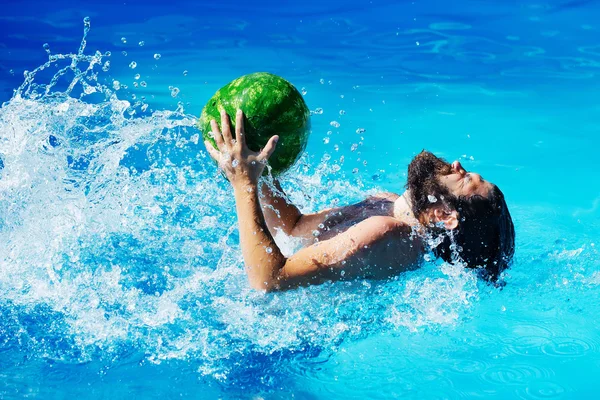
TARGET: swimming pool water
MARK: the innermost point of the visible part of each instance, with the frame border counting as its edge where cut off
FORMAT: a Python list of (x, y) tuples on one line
[(120, 268)]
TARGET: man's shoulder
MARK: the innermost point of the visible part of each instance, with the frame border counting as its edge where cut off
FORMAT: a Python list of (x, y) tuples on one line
[(385, 196)]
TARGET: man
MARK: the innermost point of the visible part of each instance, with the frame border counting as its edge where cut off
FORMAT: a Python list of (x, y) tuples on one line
[(457, 214)]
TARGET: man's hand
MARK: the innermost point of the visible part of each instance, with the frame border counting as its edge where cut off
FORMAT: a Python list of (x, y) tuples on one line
[(241, 165)]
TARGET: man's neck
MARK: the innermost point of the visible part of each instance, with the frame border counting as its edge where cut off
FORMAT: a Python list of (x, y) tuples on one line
[(403, 210)]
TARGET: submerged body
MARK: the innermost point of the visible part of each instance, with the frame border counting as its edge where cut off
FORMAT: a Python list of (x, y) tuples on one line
[(375, 238)]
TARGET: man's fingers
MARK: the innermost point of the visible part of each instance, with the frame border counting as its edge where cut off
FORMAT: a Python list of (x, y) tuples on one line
[(217, 135), (226, 128), (239, 128), (269, 148), (214, 153)]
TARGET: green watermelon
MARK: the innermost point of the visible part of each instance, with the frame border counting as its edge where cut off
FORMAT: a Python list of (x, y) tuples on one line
[(272, 106)]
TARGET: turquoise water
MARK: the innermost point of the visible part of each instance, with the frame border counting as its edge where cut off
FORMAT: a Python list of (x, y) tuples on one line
[(120, 268)]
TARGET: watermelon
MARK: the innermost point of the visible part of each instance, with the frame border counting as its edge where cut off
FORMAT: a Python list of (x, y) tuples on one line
[(272, 106)]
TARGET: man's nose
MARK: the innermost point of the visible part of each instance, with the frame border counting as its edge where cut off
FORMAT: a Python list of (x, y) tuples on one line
[(458, 168)]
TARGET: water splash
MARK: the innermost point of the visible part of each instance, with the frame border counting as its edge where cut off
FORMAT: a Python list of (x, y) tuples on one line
[(118, 238)]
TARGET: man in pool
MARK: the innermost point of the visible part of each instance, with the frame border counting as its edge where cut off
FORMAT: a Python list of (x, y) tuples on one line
[(379, 237)]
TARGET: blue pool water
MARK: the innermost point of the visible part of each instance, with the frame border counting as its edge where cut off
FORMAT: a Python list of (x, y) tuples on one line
[(120, 269)]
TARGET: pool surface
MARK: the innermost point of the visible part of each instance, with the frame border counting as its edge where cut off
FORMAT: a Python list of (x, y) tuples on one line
[(120, 269)]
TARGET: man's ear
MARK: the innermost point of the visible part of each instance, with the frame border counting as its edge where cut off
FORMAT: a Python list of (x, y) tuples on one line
[(448, 217)]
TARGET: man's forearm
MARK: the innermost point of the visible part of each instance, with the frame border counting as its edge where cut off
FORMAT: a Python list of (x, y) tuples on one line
[(262, 257), (279, 213)]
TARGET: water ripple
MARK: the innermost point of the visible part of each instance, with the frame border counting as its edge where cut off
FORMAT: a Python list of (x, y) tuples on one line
[(567, 347)]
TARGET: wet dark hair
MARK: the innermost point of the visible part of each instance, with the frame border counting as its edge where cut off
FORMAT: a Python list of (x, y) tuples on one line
[(485, 236)]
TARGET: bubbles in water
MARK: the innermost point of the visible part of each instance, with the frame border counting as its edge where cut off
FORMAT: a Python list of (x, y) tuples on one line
[(106, 66), (141, 43), (123, 40), (318, 111), (174, 91), (342, 112), (335, 124), (157, 56), (360, 131), (303, 91), (143, 84), (124, 53), (132, 65), (325, 140), (431, 198), (185, 72), (86, 23), (12, 72), (46, 48), (353, 147), (136, 77), (355, 170), (269, 250), (322, 81), (235, 163), (116, 85)]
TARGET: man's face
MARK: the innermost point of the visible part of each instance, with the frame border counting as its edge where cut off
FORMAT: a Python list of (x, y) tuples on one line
[(431, 172), (461, 183)]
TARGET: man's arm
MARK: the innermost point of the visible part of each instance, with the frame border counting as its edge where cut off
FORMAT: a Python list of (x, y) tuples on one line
[(278, 211)]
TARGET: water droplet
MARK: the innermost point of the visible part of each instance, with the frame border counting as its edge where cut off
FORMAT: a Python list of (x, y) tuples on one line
[(360, 131), (123, 39), (137, 76), (157, 56), (141, 43), (116, 85), (143, 84), (174, 91), (431, 198), (269, 250), (335, 124), (316, 233), (303, 91), (185, 72), (353, 147), (132, 64), (342, 112), (235, 163), (326, 140)]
